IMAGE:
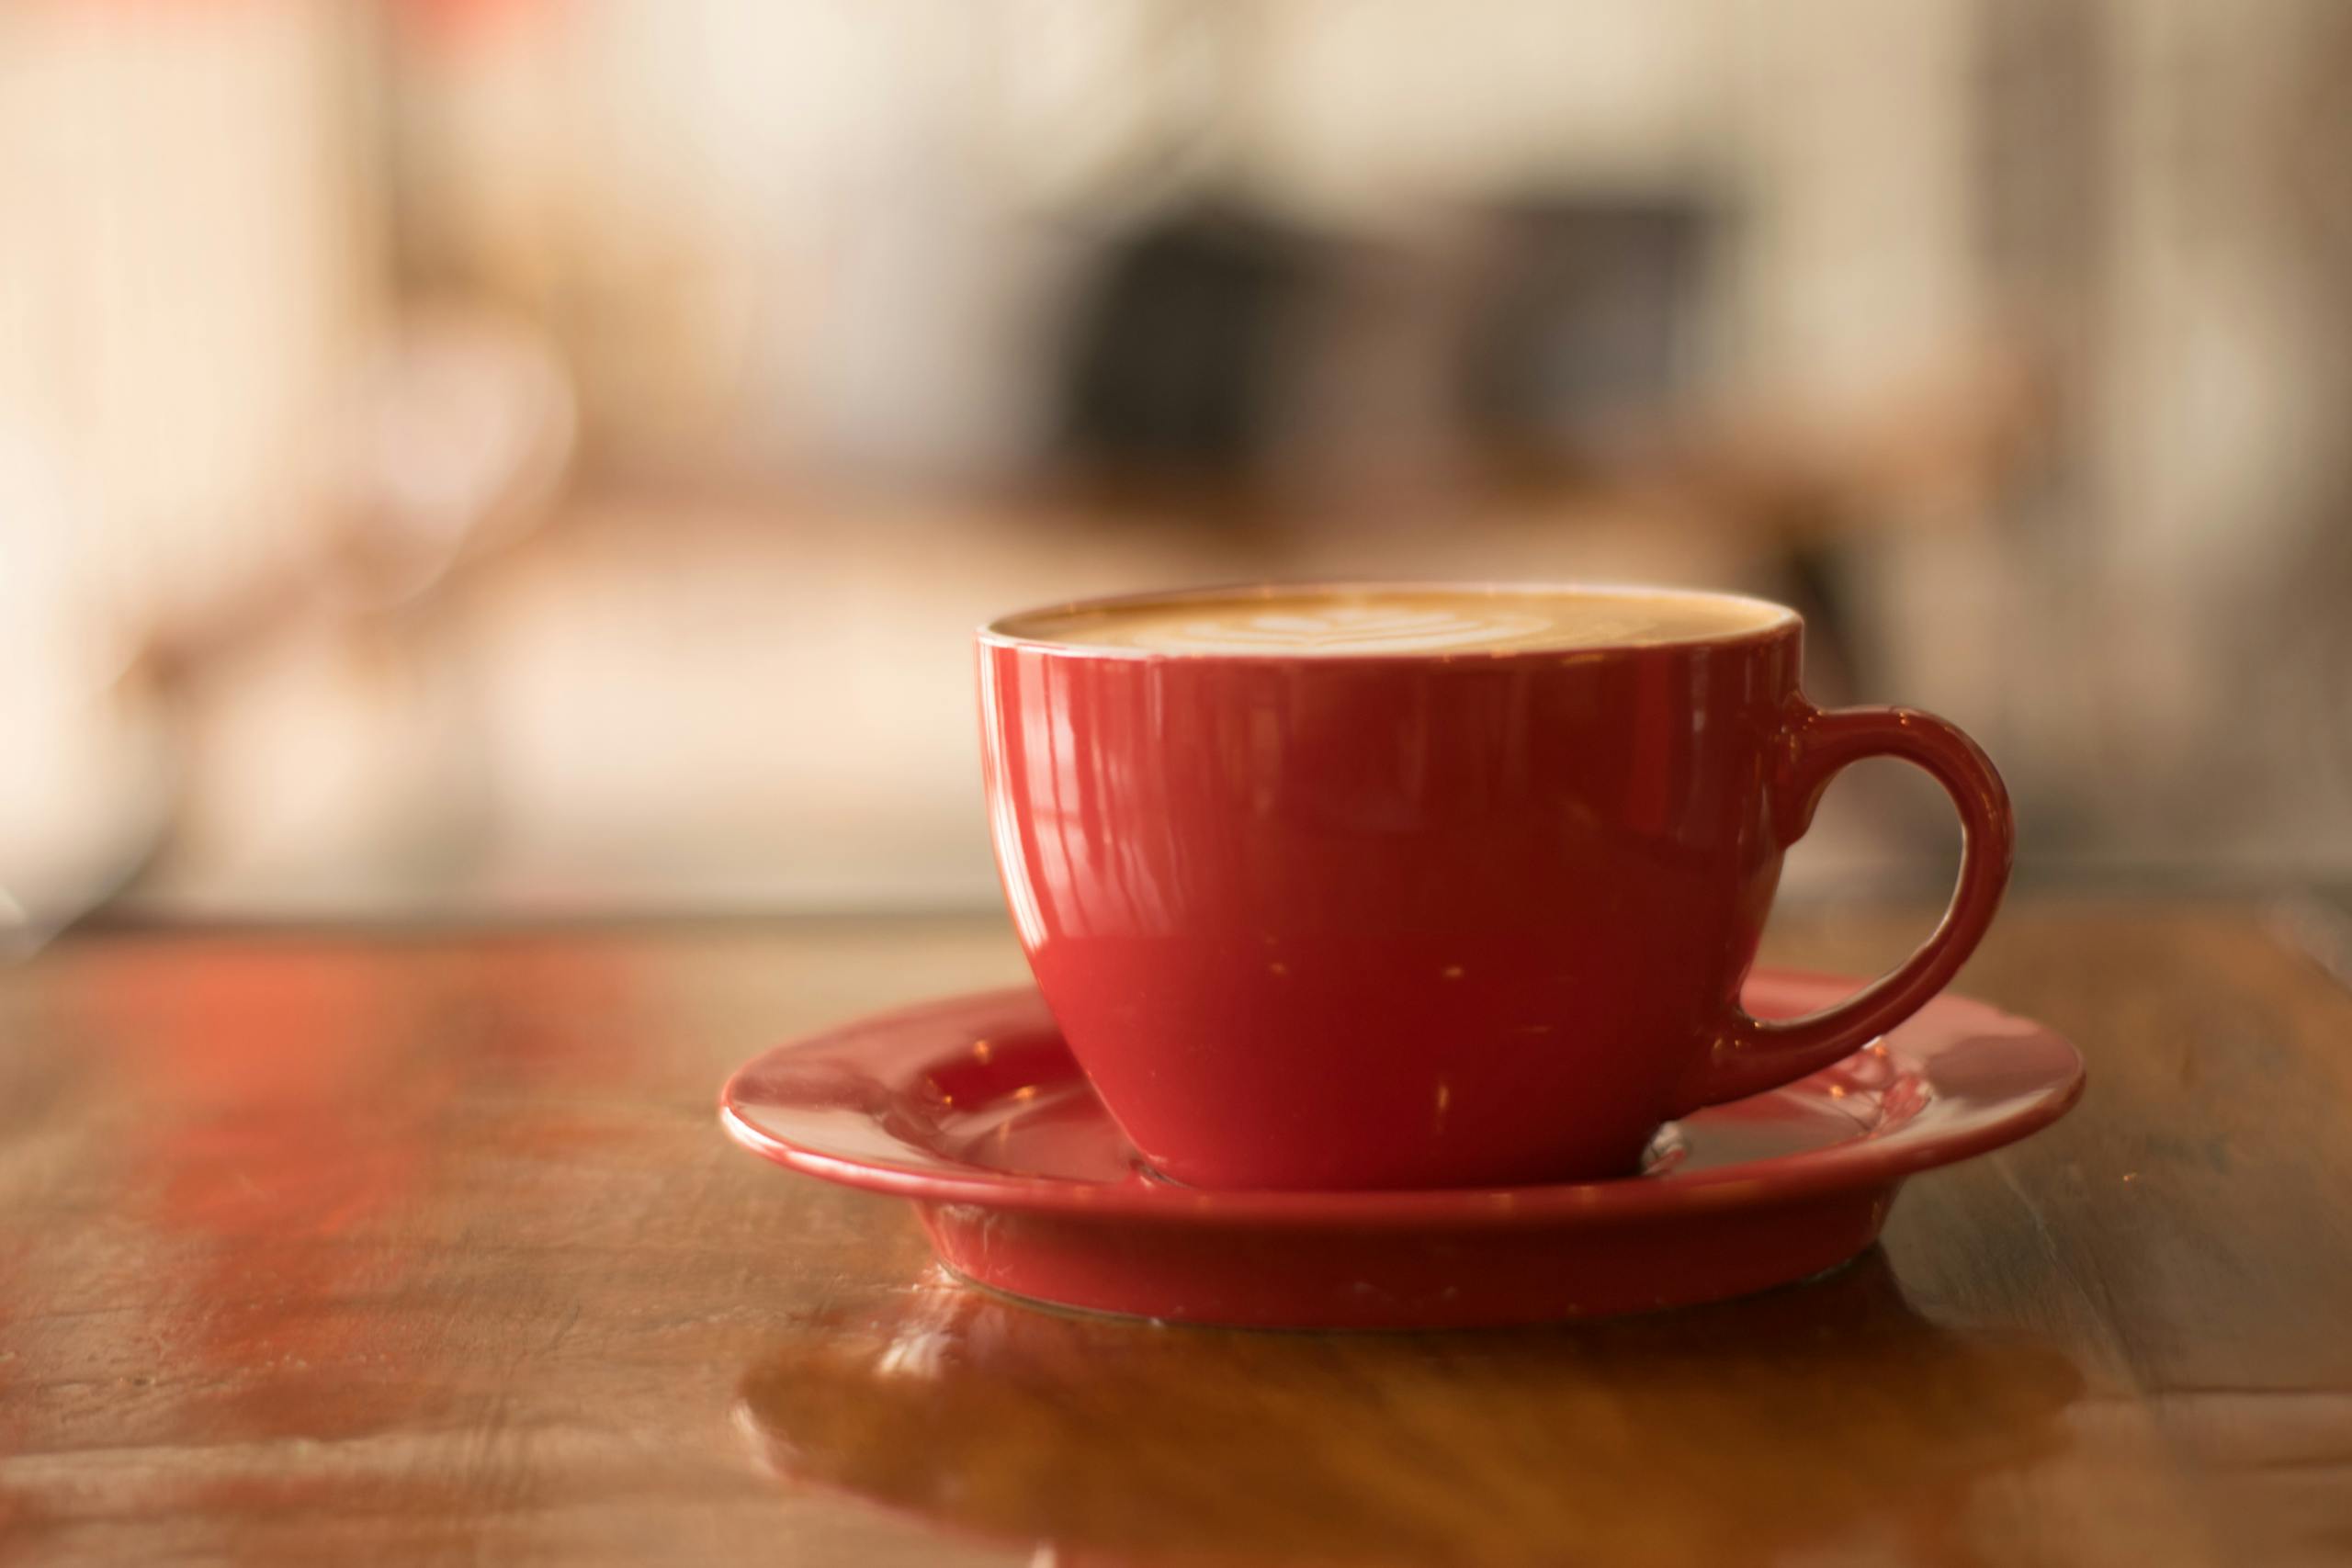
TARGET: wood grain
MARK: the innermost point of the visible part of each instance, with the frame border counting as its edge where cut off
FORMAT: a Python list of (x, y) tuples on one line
[(426, 1249)]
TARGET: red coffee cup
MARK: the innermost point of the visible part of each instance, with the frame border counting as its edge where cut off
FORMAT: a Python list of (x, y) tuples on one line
[(1433, 918)]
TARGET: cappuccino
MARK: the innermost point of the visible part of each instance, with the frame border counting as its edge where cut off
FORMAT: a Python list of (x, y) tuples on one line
[(1291, 623)]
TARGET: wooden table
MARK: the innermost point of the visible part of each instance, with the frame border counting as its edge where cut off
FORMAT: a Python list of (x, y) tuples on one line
[(426, 1249)]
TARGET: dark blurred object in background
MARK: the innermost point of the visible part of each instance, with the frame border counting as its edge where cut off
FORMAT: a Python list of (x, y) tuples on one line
[(1182, 340), (1593, 331)]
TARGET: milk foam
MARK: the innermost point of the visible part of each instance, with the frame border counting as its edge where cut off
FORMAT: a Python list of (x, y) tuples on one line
[(1399, 621), (1342, 628)]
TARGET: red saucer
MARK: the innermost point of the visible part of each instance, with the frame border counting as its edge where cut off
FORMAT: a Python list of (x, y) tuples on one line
[(973, 1108)]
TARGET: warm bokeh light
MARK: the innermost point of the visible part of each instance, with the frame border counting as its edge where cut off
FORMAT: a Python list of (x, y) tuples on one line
[(551, 457)]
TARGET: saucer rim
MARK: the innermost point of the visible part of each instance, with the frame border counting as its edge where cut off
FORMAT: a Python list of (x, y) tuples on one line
[(1768, 1181)]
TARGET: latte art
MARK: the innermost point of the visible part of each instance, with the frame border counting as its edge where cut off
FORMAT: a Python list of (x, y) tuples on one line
[(1342, 628), (1337, 622)]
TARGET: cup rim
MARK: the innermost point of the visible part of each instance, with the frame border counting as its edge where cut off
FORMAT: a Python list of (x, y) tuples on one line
[(1000, 632)]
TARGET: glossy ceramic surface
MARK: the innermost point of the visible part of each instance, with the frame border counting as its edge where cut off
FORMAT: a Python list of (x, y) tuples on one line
[(974, 1110), (1407, 921)]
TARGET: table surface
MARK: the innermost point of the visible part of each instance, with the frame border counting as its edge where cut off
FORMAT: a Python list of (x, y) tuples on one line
[(425, 1248)]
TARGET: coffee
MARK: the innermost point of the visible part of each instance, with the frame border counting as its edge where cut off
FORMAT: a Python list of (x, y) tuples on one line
[(1374, 620)]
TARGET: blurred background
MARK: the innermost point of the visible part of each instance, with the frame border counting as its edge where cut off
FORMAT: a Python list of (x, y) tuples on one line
[(546, 457)]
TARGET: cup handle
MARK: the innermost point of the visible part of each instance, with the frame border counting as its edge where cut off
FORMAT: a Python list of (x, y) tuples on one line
[(1753, 1054)]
